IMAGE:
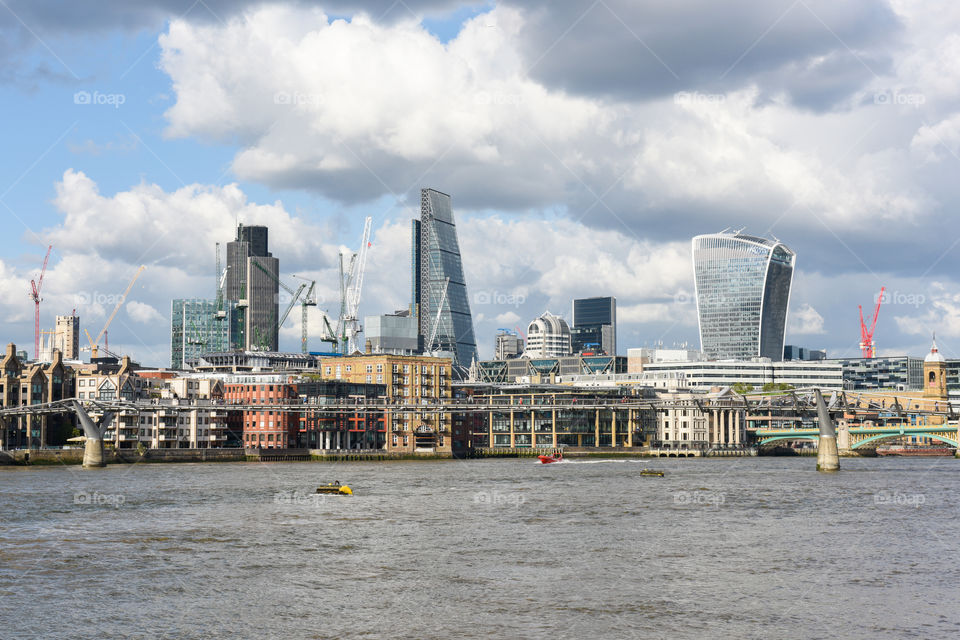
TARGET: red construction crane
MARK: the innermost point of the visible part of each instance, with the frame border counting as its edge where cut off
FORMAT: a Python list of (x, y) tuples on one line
[(35, 296), (867, 347)]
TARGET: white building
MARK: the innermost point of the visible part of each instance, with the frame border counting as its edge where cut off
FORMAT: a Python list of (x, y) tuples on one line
[(548, 337)]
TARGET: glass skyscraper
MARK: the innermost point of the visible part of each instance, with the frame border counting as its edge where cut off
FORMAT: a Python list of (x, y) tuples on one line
[(743, 291), (435, 262), (195, 329), (595, 325)]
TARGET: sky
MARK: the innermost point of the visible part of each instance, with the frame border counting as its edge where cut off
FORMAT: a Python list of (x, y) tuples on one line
[(583, 145)]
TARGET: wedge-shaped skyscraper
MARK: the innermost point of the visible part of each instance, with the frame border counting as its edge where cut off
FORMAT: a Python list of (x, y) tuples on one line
[(743, 291), (440, 299)]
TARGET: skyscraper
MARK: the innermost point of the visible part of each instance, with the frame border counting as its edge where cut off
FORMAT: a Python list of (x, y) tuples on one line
[(743, 291), (440, 300), (595, 325), (548, 337), (195, 329), (253, 282)]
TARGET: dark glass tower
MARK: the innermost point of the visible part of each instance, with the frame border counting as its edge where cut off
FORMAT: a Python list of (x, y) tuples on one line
[(595, 325), (743, 291), (435, 260), (255, 285)]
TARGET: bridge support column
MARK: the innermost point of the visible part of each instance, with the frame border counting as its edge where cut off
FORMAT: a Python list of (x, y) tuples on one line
[(828, 457), (93, 445)]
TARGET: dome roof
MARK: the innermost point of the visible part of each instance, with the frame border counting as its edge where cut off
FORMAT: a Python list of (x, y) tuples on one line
[(934, 355)]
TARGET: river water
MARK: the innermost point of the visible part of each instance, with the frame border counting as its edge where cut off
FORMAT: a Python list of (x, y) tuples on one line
[(739, 548)]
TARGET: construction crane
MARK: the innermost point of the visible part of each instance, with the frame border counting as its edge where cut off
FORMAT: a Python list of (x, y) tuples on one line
[(220, 314), (351, 286), (867, 346), (35, 287), (310, 300), (94, 350), (294, 295)]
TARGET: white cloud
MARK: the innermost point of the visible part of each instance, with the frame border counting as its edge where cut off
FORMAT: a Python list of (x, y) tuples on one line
[(805, 321), (143, 313)]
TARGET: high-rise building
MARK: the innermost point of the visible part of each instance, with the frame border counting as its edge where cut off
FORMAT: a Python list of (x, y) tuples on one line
[(394, 333), (548, 337), (67, 336), (508, 345), (440, 301), (595, 325), (743, 291), (253, 282), (195, 329)]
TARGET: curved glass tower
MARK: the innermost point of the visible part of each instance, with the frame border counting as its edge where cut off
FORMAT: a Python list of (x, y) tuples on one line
[(439, 288), (743, 291)]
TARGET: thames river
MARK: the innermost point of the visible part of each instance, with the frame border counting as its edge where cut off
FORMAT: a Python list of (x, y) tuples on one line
[(738, 548)]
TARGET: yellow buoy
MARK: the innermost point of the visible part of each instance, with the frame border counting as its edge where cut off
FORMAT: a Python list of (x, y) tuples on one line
[(345, 490)]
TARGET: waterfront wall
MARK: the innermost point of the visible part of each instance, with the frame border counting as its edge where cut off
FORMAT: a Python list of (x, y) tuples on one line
[(126, 456)]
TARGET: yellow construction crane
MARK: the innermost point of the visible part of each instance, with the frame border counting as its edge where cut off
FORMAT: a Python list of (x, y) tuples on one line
[(94, 349)]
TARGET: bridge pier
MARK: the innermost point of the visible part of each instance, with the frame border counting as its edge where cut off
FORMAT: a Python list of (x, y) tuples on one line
[(93, 445), (828, 455)]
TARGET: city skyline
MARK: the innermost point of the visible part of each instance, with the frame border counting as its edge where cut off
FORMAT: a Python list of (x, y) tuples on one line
[(133, 162)]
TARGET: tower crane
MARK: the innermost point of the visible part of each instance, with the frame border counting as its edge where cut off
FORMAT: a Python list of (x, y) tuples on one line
[(94, 351), (294, 295), (867, 346), (35, 296), (351, 286)]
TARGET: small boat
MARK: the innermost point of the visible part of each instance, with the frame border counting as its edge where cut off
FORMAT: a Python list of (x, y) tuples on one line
[(652, 472), (335, 488), (556, 456)]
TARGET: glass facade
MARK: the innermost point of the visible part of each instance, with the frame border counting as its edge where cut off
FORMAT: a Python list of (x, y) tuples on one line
[(436, 258), (595, 325), (195, 329), (743, 291)]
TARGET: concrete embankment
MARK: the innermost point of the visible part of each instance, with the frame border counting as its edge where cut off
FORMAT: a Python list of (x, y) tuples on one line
[(125, 456)]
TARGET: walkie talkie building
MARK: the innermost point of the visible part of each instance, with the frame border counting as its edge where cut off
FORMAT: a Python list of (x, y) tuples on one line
[(743, 291), (440, 299)]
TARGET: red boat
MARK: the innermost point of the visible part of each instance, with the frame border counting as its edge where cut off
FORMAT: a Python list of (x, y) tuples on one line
[(556, 457)]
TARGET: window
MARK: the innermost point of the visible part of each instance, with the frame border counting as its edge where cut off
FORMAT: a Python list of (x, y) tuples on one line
[(370, 378), (380, 368), (406, 368), (370, 368)]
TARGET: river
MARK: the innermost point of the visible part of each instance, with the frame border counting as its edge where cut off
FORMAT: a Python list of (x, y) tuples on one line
[(739, 548)]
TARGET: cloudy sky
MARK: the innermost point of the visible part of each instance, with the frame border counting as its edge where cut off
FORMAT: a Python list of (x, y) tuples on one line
[(583, 144)]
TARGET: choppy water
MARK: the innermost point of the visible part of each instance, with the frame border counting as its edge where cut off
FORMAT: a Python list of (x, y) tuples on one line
[(741, 548)]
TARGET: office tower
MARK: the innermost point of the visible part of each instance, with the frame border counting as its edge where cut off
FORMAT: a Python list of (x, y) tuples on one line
[(595, 325), (195, 329), (548, 337), (508, 345), (440, 301), (67, 337), (743, 291), (394, 333), (253, 282)]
